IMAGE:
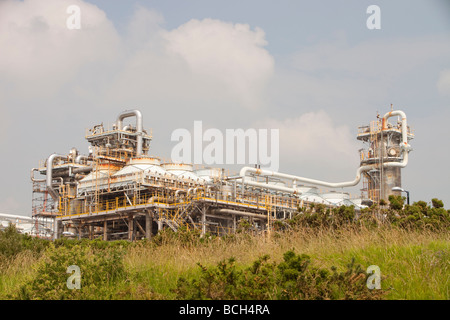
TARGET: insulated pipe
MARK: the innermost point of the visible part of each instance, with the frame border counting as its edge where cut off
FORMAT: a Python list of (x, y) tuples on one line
[(139, 126), (49, 179), (33, 178), (405, 147), (79, 157), (240, 213)]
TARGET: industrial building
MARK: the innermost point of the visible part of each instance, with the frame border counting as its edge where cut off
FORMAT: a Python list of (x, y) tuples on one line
[(118, 191)]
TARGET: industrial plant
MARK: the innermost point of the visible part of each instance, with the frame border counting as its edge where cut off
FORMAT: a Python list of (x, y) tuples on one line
[(118, 191)]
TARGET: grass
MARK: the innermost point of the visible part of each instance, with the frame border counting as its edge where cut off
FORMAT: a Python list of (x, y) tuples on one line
[(414, 263)]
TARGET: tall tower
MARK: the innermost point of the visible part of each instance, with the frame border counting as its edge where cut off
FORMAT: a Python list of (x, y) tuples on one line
[(384, 143)]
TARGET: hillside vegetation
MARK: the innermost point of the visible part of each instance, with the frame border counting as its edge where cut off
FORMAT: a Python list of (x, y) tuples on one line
[(321, 253)]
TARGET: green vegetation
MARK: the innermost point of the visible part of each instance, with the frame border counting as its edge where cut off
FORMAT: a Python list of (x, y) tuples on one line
[(321, 253)]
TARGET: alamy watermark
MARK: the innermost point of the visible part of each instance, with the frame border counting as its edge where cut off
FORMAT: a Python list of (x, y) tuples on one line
[(374, 20), (235, 146), (374, 280), (73, 22), (74, 281)]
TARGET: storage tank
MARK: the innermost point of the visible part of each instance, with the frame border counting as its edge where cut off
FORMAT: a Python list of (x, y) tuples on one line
[(209, 174), (97, 177), (311, 194), (337, 198), (182, 170), (150, 165)]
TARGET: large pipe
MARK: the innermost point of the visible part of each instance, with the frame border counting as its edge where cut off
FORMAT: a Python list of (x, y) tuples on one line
[(139, 126), (240, 213), (261, 172), (49, 177)]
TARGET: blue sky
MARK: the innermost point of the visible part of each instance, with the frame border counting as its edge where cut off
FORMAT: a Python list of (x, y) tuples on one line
[(312, 69)]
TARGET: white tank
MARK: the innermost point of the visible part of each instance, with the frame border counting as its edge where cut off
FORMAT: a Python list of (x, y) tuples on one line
[(97, 177), (182, 170), (336, 197), (311, 194), (209, 174), (149, 165), (308, 190), (103, 170)]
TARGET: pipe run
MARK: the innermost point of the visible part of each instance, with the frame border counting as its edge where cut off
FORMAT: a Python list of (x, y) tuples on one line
[(406, 148), (239, 213), (139, 127)]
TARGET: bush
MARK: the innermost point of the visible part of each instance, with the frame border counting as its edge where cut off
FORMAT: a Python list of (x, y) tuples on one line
[(437, 203), (293, 278), (396, 202), (321, 216), (12, 243), (100, 270)]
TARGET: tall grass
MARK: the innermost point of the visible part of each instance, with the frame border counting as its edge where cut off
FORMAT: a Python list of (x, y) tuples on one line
[(414, 263)]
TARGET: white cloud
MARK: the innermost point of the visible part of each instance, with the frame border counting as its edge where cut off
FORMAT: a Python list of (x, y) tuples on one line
[(202, 62), (229, 53), (443, 83), (316, 145), (40, 54)]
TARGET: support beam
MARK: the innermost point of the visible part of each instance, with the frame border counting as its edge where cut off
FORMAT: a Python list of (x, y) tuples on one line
[(203, 220), (130, 227), (148, 225), (105, 230), (140, 227)]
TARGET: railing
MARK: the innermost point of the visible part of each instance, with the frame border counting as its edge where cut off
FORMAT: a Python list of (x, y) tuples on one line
[(262, 202)]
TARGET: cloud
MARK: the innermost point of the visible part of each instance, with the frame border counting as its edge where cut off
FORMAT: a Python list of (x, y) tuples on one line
[(443, 83), (202, 62), (344, 78), (316, 145), (40, 54), (229, 53)]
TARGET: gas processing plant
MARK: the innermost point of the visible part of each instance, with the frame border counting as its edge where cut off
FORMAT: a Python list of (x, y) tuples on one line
[(118, 191)]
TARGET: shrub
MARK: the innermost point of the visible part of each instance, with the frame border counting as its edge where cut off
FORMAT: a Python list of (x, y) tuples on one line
[(293, 278), (100, 271), (12, 243), (396, 202), (437, 203)]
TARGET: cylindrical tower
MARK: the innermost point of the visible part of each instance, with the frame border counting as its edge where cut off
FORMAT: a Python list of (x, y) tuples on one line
[(383, 145)]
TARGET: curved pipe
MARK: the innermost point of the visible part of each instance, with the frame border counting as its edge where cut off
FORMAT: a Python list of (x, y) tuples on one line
[(139, 126), (49, 177), (193, 190), (405, 147), (32, 176), (80, 157)]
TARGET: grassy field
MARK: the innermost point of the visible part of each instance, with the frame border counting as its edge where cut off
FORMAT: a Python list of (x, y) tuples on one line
[(414, 263)]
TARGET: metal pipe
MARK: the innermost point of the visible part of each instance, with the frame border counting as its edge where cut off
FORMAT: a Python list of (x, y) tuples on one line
[(33, 178), (79, 157), (261, 172), (139, 126), (49, 177), (240, 213)]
